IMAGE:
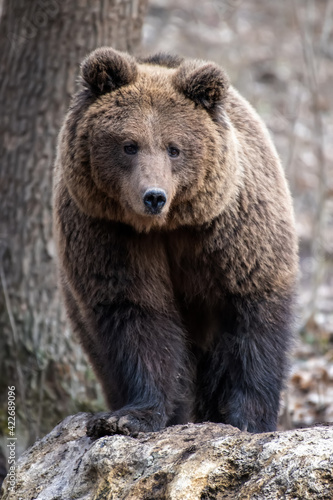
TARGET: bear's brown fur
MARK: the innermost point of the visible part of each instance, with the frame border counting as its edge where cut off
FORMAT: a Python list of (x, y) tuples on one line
[(176, 244)]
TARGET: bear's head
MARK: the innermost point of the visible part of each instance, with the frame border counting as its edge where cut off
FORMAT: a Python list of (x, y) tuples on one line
[(148, 142)]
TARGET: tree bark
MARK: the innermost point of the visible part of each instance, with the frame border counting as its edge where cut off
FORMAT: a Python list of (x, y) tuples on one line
[(42, 43)]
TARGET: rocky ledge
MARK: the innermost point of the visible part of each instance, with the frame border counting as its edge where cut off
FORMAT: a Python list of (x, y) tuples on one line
[(194, 461)]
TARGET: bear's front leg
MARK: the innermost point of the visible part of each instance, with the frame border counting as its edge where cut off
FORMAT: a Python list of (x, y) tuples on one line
[(141, 365), (241, 376)]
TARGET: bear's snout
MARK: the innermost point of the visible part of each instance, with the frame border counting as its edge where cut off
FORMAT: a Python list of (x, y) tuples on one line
[(154, 200)]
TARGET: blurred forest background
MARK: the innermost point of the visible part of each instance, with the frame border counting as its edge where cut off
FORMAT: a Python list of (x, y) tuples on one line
[(278, 54)]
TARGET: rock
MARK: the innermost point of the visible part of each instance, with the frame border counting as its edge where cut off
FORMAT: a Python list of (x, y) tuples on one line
[(189, 462)]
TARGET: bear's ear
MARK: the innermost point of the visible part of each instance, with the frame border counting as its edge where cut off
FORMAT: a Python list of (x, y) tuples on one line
[(105, 70), (204, 83)]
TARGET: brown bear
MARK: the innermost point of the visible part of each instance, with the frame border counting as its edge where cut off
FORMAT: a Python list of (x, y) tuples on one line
[(176, 244)]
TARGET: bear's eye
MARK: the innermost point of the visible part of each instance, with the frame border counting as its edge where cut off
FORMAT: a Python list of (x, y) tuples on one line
[(173, 152), (131, 149)]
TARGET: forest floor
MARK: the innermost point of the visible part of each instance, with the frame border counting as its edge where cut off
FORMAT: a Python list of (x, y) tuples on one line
[(279, 55)]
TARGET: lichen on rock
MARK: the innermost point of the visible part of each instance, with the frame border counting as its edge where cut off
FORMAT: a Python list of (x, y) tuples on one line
[(184, 462)]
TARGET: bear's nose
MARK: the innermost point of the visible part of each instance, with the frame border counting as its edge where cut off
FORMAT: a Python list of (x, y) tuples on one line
[(154, 200)]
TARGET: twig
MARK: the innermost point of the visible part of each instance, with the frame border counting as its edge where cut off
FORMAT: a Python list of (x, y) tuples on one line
[(292, 144), (40, 402), (311, 73), (327, 27), (19, 372)]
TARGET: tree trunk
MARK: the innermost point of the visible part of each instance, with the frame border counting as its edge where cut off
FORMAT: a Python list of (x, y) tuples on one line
[(42, 43)]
